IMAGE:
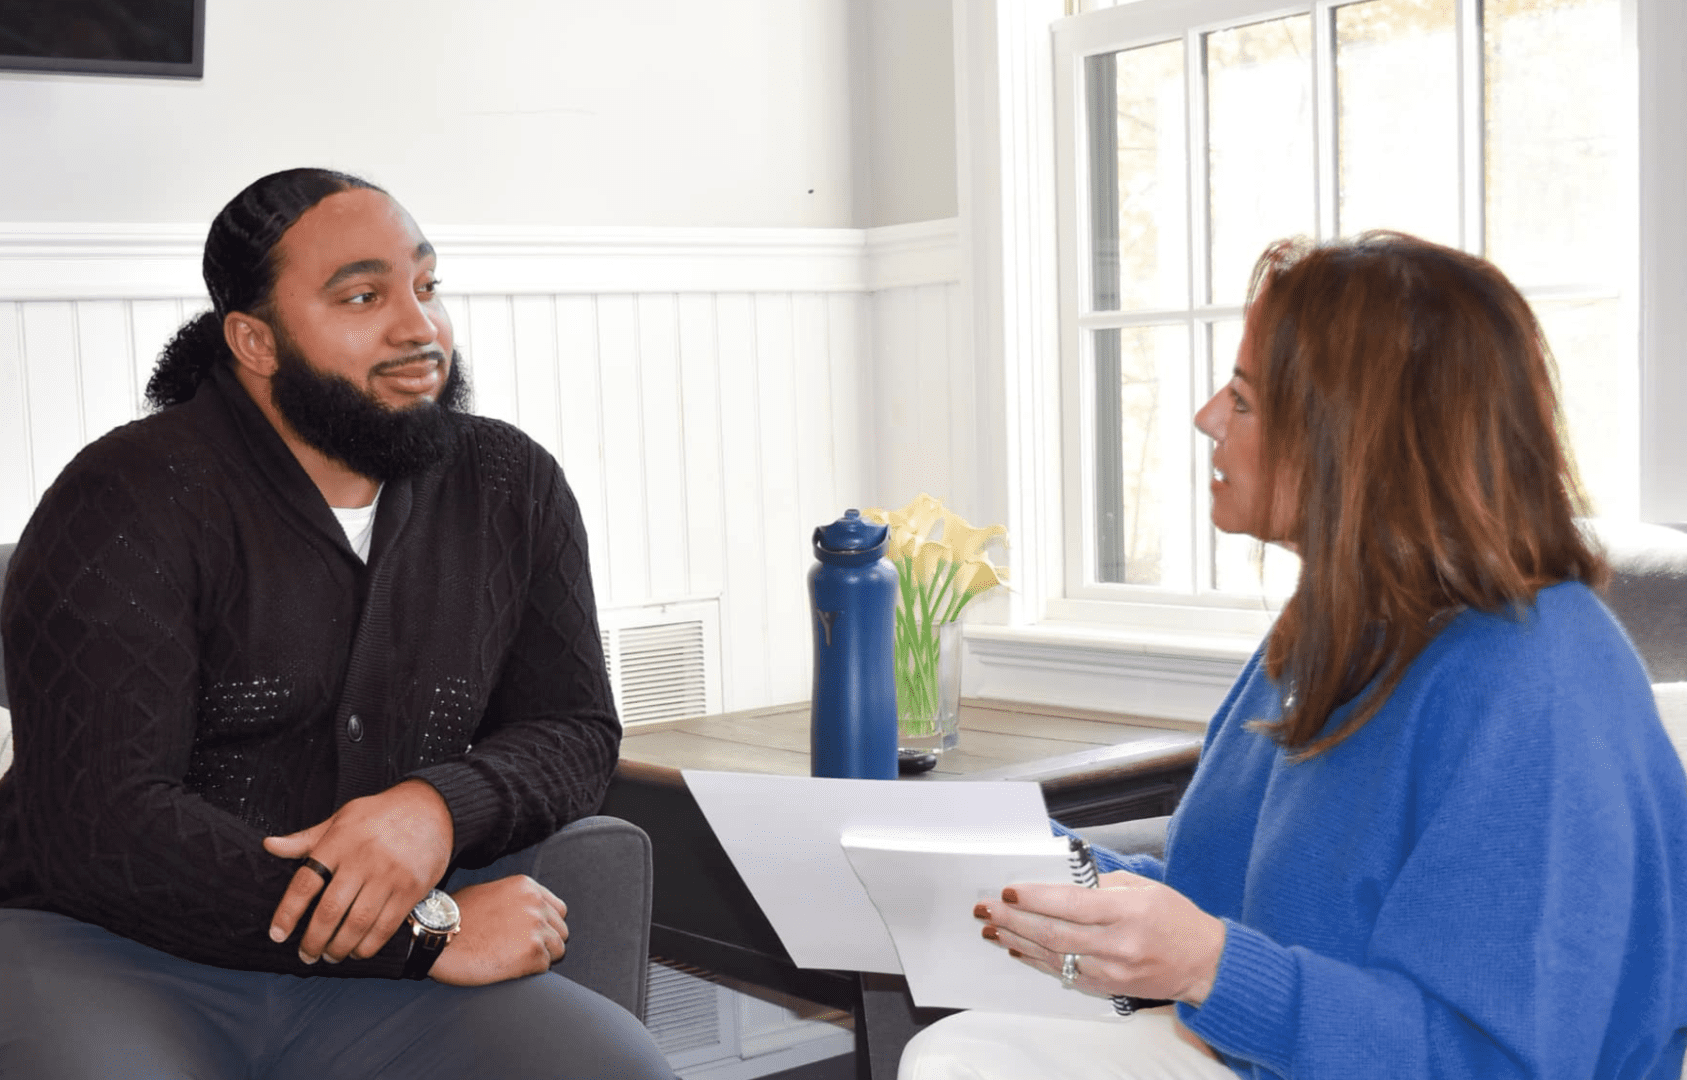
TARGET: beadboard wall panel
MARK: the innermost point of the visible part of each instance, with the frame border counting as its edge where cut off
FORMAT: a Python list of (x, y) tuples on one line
[(924, 398), (705, 435), (713, 395)]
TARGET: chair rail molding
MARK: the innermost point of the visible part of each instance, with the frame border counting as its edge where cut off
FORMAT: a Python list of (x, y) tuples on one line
[(129, 261)]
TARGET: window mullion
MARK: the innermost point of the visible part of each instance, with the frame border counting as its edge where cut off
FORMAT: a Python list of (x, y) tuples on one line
[(1200, 516), (1472, 144), (1198, 219), (1326, 188), (1197, 531)]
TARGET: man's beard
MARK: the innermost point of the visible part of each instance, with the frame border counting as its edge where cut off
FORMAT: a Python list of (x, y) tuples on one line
[(331, 414)]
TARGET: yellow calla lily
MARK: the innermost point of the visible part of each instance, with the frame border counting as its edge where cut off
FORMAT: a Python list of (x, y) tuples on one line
[(931, 562), (976, 576), (942, 567), (967, 541), (920, 515), (902, 542)]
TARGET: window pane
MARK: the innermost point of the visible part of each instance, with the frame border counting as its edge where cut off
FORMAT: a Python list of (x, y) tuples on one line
[(1599, 394), (1137, 167), (1397, 118), (1554, 94), (1259, 145), (1141, 367), (1240, 564)]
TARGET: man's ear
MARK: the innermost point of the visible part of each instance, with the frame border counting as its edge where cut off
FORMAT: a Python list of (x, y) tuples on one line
[(252, 341)]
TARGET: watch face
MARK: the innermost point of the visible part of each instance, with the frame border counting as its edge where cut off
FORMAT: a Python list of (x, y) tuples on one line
[(437, 912)]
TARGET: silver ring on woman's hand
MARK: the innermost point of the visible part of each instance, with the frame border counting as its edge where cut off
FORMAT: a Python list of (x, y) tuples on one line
[(1068, 969), (323, 872)]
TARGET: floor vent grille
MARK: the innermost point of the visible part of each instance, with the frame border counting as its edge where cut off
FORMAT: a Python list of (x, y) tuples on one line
[(683, 1011)]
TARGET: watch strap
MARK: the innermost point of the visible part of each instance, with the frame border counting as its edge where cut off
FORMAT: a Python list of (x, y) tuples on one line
[(425, 947)]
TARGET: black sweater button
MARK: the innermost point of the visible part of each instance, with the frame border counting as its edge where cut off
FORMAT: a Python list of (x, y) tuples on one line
[(354, 728)]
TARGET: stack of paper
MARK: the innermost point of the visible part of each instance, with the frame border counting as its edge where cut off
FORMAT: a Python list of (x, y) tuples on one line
[(877, 875)]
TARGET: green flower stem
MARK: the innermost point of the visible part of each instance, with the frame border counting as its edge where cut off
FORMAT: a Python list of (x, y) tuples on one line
[(924, 607)]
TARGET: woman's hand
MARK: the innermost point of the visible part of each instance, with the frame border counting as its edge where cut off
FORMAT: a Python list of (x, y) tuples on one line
[(1132, 936), (511, 927)]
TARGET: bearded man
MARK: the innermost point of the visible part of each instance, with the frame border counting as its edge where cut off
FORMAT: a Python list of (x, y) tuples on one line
[(282, 657)]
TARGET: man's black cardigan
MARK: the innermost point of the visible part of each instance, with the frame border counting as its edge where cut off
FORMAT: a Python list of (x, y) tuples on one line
[(197, 659)]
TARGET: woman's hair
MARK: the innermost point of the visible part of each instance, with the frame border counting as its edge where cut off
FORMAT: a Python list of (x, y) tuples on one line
[(240, 267), (1408, 413)]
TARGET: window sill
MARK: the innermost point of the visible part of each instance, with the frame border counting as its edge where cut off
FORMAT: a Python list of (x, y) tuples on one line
[(1154, 673)]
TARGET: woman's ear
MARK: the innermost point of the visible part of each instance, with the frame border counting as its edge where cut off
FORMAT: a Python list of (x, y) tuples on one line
[(252, 342)]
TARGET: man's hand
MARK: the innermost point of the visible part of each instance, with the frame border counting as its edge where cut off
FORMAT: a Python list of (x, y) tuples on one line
[(385, 851), (511, 927)]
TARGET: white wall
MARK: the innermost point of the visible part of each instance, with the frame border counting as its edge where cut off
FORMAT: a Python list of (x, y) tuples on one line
[(571, 112), (903, 79), (713, 390)]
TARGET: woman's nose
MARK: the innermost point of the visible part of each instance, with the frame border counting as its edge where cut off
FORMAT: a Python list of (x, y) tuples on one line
[(1209, 418)]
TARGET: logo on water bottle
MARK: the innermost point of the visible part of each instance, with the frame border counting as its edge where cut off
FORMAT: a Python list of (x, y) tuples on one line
[(826, 618)]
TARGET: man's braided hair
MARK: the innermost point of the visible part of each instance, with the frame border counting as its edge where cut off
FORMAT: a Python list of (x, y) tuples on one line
[(240, 268)]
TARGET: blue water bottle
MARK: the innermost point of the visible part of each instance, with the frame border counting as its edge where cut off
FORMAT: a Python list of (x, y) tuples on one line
[(852, 593)]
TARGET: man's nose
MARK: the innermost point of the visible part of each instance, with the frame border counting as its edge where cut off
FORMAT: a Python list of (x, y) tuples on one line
[(413, 323)]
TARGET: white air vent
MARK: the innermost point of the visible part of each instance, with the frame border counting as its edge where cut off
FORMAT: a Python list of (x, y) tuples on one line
[(688, 1015), (664, 660), (709, 1031)]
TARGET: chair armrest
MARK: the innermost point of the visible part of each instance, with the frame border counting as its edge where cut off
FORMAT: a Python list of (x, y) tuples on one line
[(1143, 836), (602, 869)]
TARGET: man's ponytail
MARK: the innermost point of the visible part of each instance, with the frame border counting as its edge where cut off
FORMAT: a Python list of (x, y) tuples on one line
[(187, 361)]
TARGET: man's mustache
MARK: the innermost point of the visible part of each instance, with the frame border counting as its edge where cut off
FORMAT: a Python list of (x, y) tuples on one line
[(436, 355)]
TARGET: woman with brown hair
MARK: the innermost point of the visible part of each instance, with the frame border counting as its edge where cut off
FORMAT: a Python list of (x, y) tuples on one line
[(1437, 829)]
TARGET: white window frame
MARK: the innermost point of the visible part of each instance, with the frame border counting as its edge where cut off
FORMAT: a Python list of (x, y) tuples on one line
[(1047, 646), (1187, 547)]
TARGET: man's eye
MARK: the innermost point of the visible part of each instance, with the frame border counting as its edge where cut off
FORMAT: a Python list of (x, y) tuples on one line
[(428, 288), (1240, 405), (361, 298)]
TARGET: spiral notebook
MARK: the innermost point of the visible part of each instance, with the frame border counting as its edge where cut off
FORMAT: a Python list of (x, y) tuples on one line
[(924, 888)]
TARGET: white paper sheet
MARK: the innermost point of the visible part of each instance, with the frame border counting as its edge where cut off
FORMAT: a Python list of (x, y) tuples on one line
[(925, 891), (782, 834)]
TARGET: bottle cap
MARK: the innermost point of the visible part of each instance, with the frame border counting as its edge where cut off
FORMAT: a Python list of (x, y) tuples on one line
[(853, 537)]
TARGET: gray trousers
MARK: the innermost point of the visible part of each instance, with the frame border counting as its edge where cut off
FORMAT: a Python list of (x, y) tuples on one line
[(78, 1002)]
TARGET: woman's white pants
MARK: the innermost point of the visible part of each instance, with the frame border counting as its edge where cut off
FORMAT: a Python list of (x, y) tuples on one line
[(1000, 1046)]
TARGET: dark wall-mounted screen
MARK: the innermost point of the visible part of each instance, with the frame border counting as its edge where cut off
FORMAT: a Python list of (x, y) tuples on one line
[(106, 37)]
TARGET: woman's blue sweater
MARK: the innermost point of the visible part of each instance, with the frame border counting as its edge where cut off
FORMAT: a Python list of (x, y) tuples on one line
[(1488, 880)]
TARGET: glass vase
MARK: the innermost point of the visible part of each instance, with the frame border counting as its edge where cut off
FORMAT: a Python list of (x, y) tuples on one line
[(928, 689)]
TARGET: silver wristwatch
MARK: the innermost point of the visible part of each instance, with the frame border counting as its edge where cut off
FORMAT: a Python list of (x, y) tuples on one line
[(433, 923)]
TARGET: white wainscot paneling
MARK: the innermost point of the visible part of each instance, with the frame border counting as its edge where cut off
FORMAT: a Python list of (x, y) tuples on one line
[(705, 431), (704, 436), (924, 397)]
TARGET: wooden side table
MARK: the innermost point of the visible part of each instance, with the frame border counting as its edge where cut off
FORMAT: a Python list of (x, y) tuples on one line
[(1093, 768)]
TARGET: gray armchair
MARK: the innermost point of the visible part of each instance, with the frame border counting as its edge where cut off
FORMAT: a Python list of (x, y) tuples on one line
[(1647, 594), (602, 868)]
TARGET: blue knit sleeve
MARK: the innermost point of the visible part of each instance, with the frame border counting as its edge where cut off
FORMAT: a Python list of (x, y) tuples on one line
[(1531, 925), (1107, 860)]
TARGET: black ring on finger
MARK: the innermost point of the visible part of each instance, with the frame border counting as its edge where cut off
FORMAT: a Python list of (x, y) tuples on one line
[(323, 872)]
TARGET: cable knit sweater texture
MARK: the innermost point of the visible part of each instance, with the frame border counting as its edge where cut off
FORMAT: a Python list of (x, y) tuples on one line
[(197, 659), (1489, 880)]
